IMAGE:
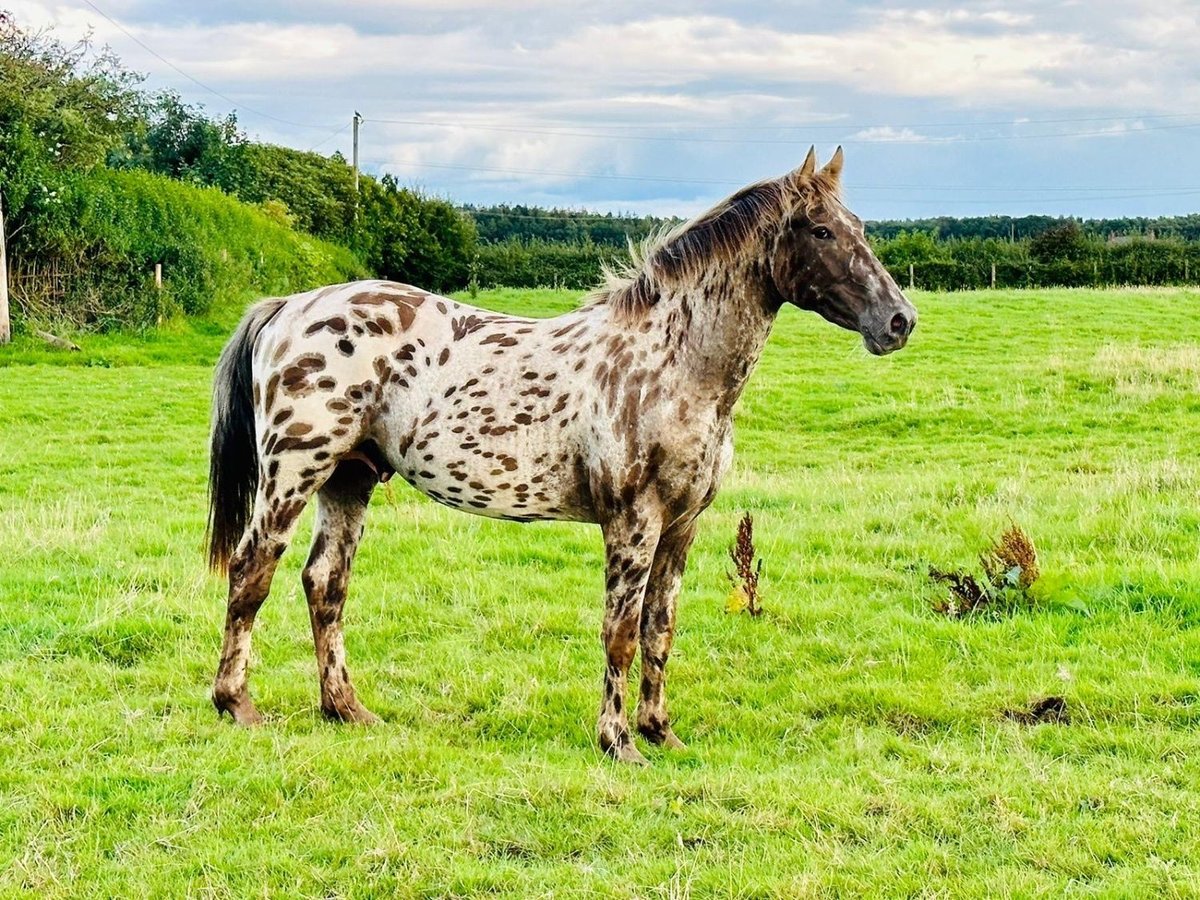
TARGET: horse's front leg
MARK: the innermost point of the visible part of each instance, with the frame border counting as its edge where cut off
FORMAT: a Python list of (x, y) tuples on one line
[(630, 539), (658, 633)]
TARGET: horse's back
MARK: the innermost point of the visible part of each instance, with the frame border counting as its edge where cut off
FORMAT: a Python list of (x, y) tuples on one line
[(475, 408)]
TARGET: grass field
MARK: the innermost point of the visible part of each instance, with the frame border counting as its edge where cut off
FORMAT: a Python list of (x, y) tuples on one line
[(849, 741)]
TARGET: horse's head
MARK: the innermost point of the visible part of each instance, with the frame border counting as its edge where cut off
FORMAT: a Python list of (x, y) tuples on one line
[(820, 260)]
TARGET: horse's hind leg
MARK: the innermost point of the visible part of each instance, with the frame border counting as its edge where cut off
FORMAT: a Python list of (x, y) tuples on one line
[(250, 572), (341, 512)]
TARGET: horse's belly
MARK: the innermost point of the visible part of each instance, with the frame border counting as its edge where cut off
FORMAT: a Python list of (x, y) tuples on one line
[(496, 476), (522, 497)]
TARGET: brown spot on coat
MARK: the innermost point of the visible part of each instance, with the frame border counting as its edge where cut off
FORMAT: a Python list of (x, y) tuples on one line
[(334, 325)]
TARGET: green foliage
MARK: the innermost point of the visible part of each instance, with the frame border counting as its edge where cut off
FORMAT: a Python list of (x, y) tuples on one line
[(1063, 242), (1062, 256), (1065, 255), (398, 233), (74, 134), (179, 140), (61, 110), (318, 191), (501, 223), (407, 237), (111, 228), (1009, 228), (528, 264)]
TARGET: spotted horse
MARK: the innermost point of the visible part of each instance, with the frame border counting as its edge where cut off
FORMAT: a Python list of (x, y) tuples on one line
[(617, 413)]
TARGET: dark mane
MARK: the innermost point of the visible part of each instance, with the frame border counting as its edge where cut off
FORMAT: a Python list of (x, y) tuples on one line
[(720, 235)]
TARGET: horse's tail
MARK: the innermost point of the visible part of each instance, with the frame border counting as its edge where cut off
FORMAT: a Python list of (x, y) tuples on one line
[(233, 459)]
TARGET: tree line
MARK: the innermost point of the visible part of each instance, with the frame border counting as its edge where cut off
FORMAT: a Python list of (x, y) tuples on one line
[(521, 247), (101, 180)]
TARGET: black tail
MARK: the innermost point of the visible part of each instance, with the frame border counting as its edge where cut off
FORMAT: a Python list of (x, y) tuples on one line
[(233, 461)]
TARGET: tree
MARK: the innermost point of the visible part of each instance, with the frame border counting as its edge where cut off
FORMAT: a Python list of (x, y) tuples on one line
[(62, 109), (1063, 242), (180, 140)]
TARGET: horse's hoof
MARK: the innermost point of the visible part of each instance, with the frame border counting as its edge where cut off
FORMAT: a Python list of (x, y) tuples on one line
[(622, 750), (671, 742), (630, 755), (241, 709), (662, 735), (356, 714)]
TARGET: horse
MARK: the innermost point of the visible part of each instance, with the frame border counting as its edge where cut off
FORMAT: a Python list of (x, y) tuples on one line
[(617, 413)]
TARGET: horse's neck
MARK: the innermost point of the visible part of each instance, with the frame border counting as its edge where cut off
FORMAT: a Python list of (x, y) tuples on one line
[(728, 317)]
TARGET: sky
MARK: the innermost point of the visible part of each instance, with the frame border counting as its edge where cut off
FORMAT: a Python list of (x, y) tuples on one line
[(1069, 108)]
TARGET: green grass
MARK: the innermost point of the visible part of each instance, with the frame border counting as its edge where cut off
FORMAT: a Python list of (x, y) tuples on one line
[(849, 741)]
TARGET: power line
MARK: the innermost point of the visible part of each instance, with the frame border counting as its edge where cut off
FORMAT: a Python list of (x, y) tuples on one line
[(547, 172), (329, 137), (823, 125), (197, 81), (1142, 192), (901, 139)]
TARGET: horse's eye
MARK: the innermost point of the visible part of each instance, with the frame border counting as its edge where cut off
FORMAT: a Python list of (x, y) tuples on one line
[(822, 233)]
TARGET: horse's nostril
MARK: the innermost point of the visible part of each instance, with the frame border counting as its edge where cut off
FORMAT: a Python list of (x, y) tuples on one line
[(900, 324)]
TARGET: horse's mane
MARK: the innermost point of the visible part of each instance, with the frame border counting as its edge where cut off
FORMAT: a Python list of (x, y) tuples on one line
[(718, 235)]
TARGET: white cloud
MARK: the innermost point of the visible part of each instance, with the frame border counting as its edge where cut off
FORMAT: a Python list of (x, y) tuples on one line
[(886, 134), (665, 70), (920, 53)]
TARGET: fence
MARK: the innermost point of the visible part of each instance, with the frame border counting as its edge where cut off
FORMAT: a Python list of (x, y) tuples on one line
[(954, 275), (37, 289)]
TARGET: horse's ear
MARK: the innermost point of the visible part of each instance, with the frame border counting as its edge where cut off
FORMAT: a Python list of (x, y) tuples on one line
[(809, 166), (833, 168)]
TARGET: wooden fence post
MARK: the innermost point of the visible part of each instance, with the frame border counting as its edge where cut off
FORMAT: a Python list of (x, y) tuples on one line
[(158, 275), (993, 276), (5, 322), (910, 276)]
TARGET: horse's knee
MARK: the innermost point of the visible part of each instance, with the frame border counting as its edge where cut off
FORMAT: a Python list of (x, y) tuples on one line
[(621, 643)]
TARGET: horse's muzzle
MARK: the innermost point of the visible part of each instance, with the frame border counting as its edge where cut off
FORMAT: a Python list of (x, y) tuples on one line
[(894, 332)]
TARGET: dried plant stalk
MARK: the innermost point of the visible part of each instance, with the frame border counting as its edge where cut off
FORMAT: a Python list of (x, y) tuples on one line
[(1010, 567), (748, 569), (1013, 552)]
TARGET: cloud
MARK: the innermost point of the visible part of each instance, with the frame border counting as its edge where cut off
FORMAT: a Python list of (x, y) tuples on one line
[(886, 134), (913, 54), (618, 72), (969, 58)]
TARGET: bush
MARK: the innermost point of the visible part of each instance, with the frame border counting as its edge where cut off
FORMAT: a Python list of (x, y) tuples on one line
[(529, 264), (110, 228)]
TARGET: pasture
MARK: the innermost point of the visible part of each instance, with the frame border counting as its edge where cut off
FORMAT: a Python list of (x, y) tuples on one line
[(848, 741)]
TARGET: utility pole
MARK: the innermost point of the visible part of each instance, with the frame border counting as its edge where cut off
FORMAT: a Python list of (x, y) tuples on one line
[(357, 120), (5, 324)]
